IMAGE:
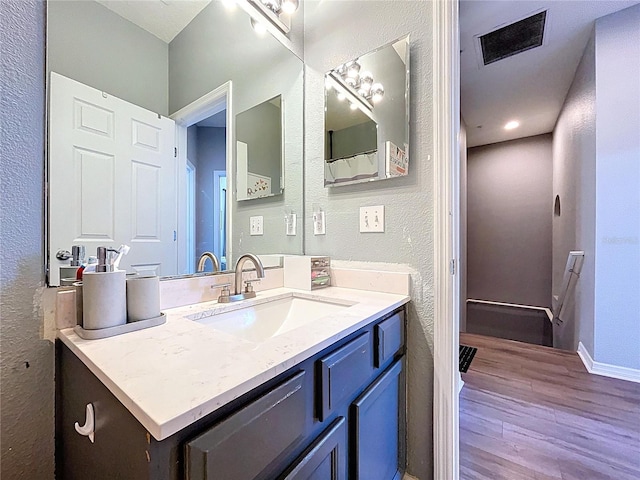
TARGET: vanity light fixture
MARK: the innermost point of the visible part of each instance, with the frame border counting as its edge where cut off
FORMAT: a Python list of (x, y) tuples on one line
[(512, 124), (276, 12), (362, 83)]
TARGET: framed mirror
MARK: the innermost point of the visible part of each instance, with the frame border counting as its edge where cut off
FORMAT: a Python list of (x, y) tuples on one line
[(367, 117), (259, 150), (128, 164)]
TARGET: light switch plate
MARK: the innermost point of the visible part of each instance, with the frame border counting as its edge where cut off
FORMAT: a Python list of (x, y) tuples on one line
[(256, 225), (372, 219), (319, 225), (290, 224)]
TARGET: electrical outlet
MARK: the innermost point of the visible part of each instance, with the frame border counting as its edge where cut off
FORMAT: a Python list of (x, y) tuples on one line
[(255, 225), (372, 219)]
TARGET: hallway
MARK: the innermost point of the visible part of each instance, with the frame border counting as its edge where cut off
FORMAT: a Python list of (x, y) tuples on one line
[(534, 413)]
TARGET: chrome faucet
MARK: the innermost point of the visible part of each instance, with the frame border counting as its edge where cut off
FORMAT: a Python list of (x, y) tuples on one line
[(203, 260), (248, 292)]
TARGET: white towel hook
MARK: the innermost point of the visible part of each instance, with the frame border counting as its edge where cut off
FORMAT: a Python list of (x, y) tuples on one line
[(88, 429)]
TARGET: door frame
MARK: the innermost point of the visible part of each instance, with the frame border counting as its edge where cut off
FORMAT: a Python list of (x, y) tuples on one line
[(209, 104), (446, 190)]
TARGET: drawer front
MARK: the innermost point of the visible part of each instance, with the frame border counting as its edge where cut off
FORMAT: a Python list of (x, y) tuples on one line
[(389, 338), (242, 446), (343, 372), (376, 414), (326, 459)]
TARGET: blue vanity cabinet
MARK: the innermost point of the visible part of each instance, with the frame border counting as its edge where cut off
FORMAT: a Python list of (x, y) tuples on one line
[(338, 415), (326, 458)]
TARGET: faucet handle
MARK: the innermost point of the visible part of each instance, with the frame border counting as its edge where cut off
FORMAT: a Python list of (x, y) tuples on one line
[(225, 294), (248, 288)]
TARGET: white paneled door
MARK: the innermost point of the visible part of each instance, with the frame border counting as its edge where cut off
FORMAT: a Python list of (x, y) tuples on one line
[(112, 179)]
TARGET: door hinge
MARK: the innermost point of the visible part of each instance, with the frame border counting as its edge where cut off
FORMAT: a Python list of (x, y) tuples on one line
[(452, 266), (175, 152), (175, 235)]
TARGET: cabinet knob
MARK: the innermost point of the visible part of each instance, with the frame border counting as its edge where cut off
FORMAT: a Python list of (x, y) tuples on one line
[(89, 427)]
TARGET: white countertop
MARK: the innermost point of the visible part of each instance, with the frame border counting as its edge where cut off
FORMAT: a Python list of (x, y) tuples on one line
[(171, 375)]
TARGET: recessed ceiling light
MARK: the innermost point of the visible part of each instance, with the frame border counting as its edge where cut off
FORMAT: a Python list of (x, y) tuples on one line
[(511, 125)]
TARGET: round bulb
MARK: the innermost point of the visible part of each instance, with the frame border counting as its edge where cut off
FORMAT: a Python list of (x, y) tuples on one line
[(273, 5), (341, 96), (512, 124), (353, 69), (350, 81), (327, 84), (259, 27), (353, 106), (366, 78), (289, 6), (377, 92)]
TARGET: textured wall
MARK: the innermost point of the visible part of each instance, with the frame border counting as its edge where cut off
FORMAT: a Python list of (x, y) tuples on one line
[(93, 45), (574, 181), (617, 302), (509, 221), (27, 361), (408, 237)]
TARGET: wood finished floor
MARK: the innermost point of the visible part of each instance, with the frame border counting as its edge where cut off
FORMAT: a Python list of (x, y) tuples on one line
[(531, 412)]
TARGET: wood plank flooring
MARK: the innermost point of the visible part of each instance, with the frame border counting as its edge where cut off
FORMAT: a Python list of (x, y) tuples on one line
[(534, 413)]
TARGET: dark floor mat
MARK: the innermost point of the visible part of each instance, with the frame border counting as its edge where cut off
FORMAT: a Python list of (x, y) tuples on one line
[(466, 355)]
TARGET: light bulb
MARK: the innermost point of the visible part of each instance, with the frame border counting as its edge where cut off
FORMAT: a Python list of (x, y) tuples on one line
[(273, 5), (341, 96), (353, 69), (259, 27), (327, 84), (353, 106), (289, 6), (377, 92), (366, 78), (350, 81)]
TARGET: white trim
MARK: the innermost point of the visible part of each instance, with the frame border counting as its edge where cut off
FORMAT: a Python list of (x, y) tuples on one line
[(209, 104), (516, 305), (606, 369), (446, 187)]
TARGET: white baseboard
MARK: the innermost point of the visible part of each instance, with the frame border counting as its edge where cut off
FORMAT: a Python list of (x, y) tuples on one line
[(605, 369)]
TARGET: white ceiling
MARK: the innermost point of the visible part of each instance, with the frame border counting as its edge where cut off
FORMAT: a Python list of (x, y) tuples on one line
[(529, 87), (163, 18)]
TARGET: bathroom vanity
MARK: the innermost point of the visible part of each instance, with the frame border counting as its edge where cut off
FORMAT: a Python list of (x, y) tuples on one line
[(323, 400)]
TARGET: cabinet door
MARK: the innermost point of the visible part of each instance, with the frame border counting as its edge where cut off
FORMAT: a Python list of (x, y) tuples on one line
[(377, 426), (326, 459), (343, 373), (249, 442)]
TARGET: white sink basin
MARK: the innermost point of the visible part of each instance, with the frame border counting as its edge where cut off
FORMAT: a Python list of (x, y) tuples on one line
[(258, 323)]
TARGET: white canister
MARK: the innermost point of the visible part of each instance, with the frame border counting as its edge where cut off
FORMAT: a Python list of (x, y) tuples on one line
[(143, 298), (104, 299)]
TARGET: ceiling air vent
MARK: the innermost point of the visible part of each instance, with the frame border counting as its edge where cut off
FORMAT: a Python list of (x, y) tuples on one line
[(513, 39)]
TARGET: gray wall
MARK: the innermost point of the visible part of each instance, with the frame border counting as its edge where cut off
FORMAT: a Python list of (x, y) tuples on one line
[(89, 43), (27, 366), (617, 286), (463, 225), (509, 235), (353, 140), (260, 128), (574, 181), (408, 201)]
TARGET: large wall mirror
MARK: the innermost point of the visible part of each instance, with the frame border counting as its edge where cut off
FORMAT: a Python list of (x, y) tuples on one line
[(367, 117), (127, 165)]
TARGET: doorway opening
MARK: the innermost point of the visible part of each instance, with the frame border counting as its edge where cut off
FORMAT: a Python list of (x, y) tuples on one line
[(204, 133)]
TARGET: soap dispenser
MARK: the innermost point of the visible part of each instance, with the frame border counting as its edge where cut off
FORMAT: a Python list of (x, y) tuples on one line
[(104, 296)]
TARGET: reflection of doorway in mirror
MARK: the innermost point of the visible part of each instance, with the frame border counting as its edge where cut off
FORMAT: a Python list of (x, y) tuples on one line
[(219, 220), (191, 213)]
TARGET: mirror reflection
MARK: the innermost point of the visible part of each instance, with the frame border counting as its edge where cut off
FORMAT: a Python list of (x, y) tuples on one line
[(259, 150), (127, 165), (367, 117)]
